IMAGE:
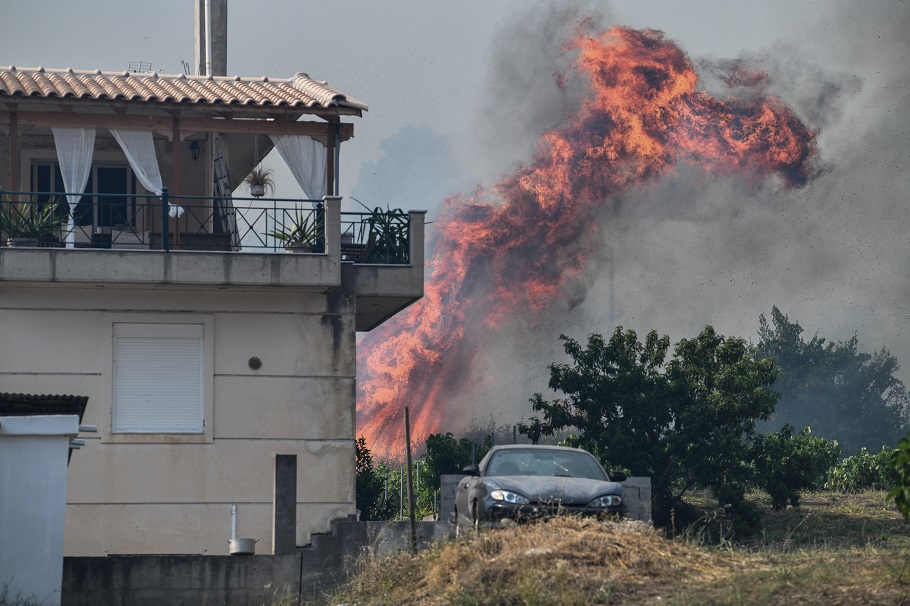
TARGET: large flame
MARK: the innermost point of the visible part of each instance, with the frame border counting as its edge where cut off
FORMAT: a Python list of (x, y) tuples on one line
[(643, 116)]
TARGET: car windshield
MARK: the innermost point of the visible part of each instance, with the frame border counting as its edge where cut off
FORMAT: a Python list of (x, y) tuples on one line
[(544, 462)]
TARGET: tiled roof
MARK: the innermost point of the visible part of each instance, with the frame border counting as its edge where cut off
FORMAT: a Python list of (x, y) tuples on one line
[(299, 91), (18, 404)]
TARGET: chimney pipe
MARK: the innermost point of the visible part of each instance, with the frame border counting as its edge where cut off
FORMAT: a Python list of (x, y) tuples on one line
[(208, 37), (211, 37)]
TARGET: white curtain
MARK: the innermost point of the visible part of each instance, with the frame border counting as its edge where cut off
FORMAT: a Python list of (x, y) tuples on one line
[(74, 154), (139, 148), (305, 157)]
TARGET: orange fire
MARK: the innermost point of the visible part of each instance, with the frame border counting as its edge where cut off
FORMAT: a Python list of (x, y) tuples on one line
[(514, 252)]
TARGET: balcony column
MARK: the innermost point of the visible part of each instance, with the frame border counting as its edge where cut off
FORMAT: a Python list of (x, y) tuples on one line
[(330, 167), (415, 237), (337, 134), (175, 172), (332, 206)]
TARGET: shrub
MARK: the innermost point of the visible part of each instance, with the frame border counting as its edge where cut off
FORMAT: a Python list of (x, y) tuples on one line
[(786, 464), (900, 461), (863, 471)]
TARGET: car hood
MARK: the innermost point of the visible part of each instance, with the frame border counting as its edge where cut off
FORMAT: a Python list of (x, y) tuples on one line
[(550, 489)]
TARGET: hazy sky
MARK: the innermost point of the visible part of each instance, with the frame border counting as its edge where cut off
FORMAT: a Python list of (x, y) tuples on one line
[(414, 62), (459, 91)]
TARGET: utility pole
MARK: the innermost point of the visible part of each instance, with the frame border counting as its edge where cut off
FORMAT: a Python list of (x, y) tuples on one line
[(407, 438)]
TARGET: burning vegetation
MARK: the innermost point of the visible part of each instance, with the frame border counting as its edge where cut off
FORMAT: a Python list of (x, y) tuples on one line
[(513, 249)]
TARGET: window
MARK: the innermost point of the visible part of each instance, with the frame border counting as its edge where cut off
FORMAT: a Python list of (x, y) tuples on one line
[(47, 180), (116, 181), (158, 378)]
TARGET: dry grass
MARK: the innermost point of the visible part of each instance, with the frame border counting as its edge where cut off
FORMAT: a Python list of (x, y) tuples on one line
[(835, 549)]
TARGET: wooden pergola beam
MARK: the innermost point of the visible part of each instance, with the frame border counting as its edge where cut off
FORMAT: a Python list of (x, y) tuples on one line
[(187, 124)]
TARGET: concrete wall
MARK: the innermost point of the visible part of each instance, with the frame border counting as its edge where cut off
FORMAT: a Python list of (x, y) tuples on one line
[(154, 494), (33, 457), (637, 494), (236, 580)]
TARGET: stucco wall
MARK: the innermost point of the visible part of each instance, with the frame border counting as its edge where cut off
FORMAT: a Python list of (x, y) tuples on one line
[(33, 455), (147, 498)]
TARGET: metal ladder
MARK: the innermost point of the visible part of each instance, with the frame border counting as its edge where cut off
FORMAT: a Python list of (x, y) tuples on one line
[(224, 213)]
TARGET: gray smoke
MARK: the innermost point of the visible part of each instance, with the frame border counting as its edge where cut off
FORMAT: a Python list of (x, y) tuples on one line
[(698, 249), (523, 97)]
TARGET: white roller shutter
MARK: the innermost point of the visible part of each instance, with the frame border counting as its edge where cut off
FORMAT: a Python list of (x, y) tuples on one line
[(158, 382)]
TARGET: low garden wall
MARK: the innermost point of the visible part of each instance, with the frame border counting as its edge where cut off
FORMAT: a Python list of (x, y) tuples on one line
[(239, 580)]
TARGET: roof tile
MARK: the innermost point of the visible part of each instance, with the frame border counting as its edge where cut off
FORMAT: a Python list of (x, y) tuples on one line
[(297, 91)]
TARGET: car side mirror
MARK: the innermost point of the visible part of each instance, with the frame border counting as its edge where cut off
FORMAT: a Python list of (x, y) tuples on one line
[(471, 470), (617, 476)]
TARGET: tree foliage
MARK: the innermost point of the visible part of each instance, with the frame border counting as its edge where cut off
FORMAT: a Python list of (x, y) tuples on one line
[(863, 471), (900, 461), (787, 464), (685, 422), (447, 455), (370, 486), (839, 391)]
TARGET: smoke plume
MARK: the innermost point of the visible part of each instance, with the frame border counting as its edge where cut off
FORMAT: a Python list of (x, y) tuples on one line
[(511, 262)]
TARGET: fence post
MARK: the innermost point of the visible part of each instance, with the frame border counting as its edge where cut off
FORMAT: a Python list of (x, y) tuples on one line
[(165, 223)]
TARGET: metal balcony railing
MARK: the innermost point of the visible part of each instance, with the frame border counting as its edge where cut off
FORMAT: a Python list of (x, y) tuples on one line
[(123, 221)]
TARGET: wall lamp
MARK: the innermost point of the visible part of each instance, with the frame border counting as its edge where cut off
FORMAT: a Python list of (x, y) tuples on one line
[(194, 150)]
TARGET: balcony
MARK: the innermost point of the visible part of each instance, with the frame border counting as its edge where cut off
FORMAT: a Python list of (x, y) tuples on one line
[(214, 242), (133, 222)]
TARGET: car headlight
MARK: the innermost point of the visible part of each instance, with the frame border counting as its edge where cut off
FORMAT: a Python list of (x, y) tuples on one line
[(508, 497), (610, 500)]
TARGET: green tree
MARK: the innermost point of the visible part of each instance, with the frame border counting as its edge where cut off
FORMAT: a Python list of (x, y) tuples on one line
[(839, 391), (394, 491), (685, 422), (900, 460), (787, 464), (447, 455), (370, 487)]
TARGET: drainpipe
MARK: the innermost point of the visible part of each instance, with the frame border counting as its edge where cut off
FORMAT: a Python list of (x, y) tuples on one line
[(337, 158)]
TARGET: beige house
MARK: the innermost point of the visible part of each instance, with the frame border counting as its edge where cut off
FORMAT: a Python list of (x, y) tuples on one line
[(130, 275)]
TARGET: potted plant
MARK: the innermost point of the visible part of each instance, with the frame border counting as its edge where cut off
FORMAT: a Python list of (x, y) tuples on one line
[(27, 223), (304, 233), (388, 236), (260, 181)]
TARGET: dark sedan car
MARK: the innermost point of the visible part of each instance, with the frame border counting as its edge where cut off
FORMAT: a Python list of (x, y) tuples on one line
[(520, 481)]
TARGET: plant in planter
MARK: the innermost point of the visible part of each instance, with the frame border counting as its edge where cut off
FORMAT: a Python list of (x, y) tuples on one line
[(28, 222), (260, 181), (305, 233), (387, 241)]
